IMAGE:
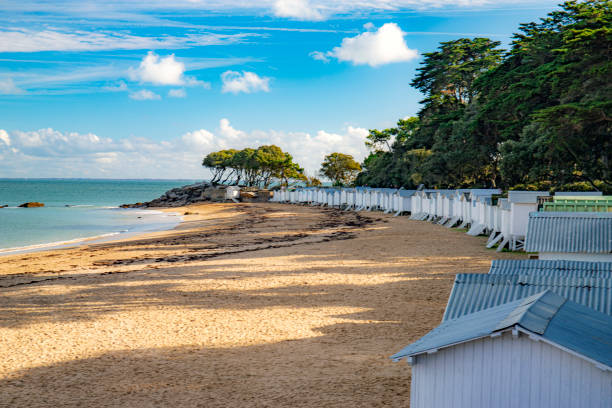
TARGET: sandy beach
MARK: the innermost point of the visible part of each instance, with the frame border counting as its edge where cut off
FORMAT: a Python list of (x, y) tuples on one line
[(242, 305)]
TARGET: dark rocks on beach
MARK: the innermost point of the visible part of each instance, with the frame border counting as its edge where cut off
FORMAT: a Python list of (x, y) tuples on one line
[(32, 204), (195, 193), (177, 197)]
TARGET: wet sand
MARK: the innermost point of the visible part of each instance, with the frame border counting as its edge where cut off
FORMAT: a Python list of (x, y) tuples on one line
[(243, 305)]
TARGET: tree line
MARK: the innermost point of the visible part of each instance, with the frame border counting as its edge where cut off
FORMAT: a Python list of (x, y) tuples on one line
[(253, 167), (535, 117), (269, 164)]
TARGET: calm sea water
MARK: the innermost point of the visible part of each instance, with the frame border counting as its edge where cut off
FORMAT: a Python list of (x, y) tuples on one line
[(77, 209)]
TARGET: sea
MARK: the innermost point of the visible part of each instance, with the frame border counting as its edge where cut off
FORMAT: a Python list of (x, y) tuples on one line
[(78, 211)]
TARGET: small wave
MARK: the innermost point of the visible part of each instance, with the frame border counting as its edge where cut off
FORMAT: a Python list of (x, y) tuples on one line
[(50, 245)]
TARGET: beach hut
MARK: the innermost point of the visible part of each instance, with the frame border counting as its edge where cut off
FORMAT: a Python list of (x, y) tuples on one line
[(232, 193), (480, 200), (538, 351), (521, 204), (360, 193), (473, 292), (387, 199), (578, 236), (466, 210), (417, 212), (443, 206), (504, 225), (579, 204), (479, 204), (402, 201), (455, 209)]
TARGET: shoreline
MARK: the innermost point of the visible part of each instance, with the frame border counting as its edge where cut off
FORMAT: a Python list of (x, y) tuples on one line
[(112, 236)]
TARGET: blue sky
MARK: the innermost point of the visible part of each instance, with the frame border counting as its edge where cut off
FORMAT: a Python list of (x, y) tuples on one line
[(115, 89)]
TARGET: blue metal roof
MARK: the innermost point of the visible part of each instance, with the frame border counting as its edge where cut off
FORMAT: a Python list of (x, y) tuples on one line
[(560, 321), (406, 193), (526, 197), (551, 268), (584, 232), (474, 292)]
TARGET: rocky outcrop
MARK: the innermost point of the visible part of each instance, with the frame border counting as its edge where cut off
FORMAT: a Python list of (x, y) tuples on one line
[(32, 204), (4, 206), (255, 195), (195, 193), (177, 197)]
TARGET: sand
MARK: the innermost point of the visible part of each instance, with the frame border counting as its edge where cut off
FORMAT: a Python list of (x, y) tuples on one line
[(243, 305)]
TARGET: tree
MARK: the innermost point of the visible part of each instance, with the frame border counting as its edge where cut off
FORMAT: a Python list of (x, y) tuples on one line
[(538, 115), (254, 167), (340, 168), (313, 182), (219, 162)]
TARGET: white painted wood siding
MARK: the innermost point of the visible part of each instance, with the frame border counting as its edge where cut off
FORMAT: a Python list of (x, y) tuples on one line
[(507, 372)]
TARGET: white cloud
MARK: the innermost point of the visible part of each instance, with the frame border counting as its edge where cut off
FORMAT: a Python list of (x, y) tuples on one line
[(297, 9), (163, 71), (374, 48), (8, 87), (201, 139), (25, 40), (159, 71), (177, 93), (144, 95), (247, 82), (4, 137), (51, 153), (369, 26), (226, 131), (319, 56), (120, 86)]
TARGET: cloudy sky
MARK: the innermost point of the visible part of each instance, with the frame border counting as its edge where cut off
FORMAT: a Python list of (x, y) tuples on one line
[(125, 89)]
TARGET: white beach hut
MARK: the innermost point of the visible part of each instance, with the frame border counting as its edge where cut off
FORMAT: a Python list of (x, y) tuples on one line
[(539, 351), (402, 201), (521, 204)]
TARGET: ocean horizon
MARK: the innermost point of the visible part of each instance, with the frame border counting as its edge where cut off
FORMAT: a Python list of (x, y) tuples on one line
[(78, 210)]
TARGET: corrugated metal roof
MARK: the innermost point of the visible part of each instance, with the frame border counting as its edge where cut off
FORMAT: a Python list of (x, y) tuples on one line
[(578, 193), (584, 232), (565, 323), (474, 292), (482, 191), (526, 197), (545, 267)]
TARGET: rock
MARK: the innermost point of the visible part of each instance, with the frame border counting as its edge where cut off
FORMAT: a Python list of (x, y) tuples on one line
[(3, 206), (32, 204), (177, 197), (248, 194), (135, 205)]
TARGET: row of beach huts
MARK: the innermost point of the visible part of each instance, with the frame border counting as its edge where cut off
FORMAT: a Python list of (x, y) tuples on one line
[(530, 333)]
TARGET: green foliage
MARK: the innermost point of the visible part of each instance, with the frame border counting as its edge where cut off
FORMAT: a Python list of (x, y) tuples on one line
[(340, 168), (254, 167), (313, 182), (538, 116)]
